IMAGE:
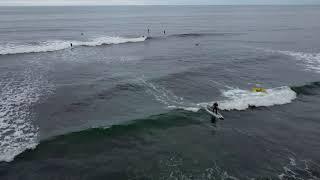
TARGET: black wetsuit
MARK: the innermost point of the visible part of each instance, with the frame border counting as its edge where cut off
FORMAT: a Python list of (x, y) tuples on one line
[(215, 108)]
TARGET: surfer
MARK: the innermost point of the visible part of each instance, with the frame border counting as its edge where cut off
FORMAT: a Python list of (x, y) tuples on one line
[(215, 107), (164, 31), (148, 31), (213, 111), (70, 44)]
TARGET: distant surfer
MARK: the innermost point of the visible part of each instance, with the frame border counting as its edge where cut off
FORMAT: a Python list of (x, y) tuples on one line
[(70, 44), (148, 31), (164, 31)]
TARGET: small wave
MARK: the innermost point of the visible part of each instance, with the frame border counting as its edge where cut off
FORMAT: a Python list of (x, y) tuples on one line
[(110, 40), (192, 35), (203, 34), (55, 45), (308, 89)]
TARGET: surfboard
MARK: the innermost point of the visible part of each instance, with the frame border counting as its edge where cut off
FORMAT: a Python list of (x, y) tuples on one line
[(218, 115)]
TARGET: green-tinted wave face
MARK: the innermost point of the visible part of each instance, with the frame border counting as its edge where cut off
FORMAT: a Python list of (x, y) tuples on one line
[(309, 89), (89, 141), (93, 140)]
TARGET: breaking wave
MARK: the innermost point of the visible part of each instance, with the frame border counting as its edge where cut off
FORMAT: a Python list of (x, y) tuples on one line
[(234, 98), (55, 45), (238, 99)]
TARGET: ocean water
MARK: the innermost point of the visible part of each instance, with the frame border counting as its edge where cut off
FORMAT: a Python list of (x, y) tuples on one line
[(123, 103)]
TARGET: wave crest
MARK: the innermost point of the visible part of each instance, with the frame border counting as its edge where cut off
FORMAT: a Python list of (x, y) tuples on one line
[(56, 45)]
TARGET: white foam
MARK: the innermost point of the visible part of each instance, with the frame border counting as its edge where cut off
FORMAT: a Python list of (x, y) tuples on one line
[(299, 170), (17, 131), (110, 40), (163, 95), (193, 109), (16, 134), (310, 60), (55, 45), (235, 99), (292, 162), (46, 46), (239, 99)]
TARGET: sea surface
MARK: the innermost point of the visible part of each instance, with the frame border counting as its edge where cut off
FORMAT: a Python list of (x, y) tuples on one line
[(123, 103)]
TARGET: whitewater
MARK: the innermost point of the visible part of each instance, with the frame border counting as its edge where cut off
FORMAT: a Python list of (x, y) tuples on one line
[(56, 45), (234, 98)]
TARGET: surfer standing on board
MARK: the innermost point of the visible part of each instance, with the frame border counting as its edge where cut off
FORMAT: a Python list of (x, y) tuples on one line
[(215, 107)]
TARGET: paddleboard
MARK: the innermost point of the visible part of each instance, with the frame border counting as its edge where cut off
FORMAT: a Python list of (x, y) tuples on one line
[(218, 115)]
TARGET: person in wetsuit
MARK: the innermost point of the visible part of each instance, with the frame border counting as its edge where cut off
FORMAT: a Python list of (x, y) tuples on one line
[(215, 107)]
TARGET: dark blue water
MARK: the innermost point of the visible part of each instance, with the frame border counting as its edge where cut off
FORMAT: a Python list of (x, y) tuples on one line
[(123, 103)]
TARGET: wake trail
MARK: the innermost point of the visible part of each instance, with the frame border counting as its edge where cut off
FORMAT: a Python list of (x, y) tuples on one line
[(234, 98)]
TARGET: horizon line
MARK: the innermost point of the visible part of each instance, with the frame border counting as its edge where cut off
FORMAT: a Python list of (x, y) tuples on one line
[(68, 5)]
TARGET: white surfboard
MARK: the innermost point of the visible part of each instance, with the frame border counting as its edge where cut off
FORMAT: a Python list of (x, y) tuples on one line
[(218, 115)]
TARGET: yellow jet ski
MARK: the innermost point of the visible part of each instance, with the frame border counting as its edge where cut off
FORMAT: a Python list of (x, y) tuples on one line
[(256, 89)]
